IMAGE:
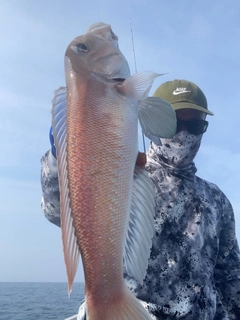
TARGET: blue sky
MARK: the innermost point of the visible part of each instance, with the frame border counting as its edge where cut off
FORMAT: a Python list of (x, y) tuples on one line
[(193, 40)]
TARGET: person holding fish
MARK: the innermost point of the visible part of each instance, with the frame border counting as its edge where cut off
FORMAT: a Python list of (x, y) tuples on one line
[(167, 232)]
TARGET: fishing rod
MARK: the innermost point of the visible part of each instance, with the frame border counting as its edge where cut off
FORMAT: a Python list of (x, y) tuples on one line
[(135, 63)]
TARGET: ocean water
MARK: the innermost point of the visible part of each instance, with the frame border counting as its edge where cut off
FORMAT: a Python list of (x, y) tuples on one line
[(39, 300)]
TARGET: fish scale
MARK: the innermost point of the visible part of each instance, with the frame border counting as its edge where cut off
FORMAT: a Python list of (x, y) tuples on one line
[(92, 209)]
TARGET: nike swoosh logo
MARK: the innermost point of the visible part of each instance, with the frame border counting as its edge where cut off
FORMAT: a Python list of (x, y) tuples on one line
[(177, 91)]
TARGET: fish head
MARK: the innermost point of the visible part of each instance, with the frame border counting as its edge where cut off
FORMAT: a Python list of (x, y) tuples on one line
[(96, 52)]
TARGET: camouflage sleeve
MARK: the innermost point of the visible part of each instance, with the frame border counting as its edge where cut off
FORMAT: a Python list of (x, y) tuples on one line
[(227, 270), (50, 188)]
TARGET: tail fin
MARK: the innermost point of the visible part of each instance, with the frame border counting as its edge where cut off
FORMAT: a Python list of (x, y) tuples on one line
[(126, 307)]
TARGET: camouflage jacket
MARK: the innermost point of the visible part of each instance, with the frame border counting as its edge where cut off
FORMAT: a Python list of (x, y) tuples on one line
[(194, 267)]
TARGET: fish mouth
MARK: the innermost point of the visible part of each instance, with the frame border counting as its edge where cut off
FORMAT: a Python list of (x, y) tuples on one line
[(119, 79)]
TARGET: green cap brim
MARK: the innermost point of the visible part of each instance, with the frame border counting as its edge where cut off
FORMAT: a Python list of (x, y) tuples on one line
[(187, 105)]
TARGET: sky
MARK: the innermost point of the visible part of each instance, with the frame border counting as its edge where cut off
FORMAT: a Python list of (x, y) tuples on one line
[(193, 40)]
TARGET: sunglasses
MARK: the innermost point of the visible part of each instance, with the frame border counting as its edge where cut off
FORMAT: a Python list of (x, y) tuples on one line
[(195, 126)]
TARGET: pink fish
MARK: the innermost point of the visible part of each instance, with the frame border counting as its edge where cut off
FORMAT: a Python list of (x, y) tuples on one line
[(107, 209)]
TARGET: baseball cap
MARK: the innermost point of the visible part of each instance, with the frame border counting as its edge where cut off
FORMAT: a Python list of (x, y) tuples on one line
[(183, 94)]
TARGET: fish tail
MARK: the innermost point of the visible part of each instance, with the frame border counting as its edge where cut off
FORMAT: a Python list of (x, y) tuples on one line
[(125, 307)]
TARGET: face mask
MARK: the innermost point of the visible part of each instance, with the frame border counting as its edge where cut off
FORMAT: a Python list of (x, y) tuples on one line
[(181, 149)]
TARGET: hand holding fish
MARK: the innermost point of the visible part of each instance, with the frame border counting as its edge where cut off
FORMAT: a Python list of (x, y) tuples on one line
[(141, 159)]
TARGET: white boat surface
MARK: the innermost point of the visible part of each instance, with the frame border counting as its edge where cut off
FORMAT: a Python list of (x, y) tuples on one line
[(72, 317)]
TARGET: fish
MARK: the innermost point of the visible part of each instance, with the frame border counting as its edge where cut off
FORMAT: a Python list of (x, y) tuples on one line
[(107, 204)]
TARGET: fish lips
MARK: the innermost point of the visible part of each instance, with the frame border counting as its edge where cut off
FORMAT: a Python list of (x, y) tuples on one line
[(119, 79)]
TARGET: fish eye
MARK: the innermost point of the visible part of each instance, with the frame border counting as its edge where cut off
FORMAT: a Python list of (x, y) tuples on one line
[(80, 47)]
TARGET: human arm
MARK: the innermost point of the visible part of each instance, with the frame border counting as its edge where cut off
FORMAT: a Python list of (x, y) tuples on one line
[(50, 185), (50, 188), (227, 270)]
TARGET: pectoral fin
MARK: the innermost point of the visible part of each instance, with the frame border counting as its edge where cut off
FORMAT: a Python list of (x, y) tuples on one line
[(157, 118), (138, 85)]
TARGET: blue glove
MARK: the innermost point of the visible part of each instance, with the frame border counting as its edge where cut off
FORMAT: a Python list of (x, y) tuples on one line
[(51, 138)]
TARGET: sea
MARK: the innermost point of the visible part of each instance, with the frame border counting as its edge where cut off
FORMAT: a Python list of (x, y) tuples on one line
[(39, 300)]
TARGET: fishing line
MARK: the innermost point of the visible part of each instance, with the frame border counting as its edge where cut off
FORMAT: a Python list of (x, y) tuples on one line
[(134, 55), (135, 63)]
